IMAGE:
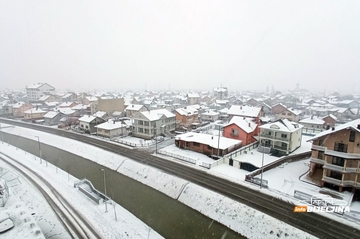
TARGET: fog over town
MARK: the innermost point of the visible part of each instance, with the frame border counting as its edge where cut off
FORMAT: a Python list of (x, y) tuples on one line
[(180, 45)]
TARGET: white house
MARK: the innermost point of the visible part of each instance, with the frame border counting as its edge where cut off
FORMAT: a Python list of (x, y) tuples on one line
[(35, 91), (282, 136), (111, 129), (147, 124), (88, 122), (312, 123), (209, 116)]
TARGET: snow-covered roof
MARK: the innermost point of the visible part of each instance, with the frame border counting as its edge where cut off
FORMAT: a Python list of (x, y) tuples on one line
[(283, 125), (34, 111), (35, 86), (44, 97), (110, 125), (312, 120), (212, 141), (248, 111), (187, 110), (67, 95), (210, 113), (80, 107), (193, 95), (157, 114), (87, 118), (66, 111), (18, 105), (245, 124), (331, 116), (51, 103), (349, 125), (100, 114), (91, 98), (51, 114), (134, 107), (66, 104)]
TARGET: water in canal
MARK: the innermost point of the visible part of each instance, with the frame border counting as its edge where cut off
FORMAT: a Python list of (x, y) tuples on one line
[(167, 216)]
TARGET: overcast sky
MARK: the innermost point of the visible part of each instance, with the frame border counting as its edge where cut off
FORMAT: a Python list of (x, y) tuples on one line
[(161, 45)]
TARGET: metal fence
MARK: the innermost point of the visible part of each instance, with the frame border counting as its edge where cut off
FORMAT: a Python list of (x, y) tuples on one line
[(183, 158)]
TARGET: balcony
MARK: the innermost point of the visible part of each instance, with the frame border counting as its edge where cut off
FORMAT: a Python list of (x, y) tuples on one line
[(332, 180), (281, 147), (342, 154), (319, 148), (334, 167), (266, 136), (317, 161)]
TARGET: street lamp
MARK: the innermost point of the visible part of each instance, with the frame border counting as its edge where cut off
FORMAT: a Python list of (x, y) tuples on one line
[(39, 148), (2, 140), (155, 139), (104, 189), (262, 167)]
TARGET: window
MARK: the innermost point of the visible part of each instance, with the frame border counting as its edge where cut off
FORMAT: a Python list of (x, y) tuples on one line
[(234, 132), (321, 142), (320, 155), (284, 136), (289, 114), (196, 144), (86, 126), (338, 161), (352, 136), (340, 147), (283, 113), (336, 175)]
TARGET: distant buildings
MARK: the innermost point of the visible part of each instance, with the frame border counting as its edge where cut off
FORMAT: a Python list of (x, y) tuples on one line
[(35, 91)]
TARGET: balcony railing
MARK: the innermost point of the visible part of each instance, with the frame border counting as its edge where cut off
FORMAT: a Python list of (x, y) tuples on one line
[(333, 167), (332, 180), (318, 161), (317, 147), (342, 154), (280, 147), (275, 138)]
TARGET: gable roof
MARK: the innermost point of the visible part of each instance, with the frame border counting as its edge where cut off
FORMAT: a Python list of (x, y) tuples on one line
[(283, 125), (157, 114), (111, 124), (51, 114), (312, 120), (355, 125), (245, 124), (187, 110), (212, 141), (134, 107), (247, 111)]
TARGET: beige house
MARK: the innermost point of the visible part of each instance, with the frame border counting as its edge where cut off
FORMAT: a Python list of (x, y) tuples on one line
[(19, 108), (290, 114), (110, 105), (34, 114), (131, 109), (282, 136), (335, 157), (111, 129)]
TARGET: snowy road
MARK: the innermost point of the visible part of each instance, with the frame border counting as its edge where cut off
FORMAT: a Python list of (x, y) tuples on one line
[(75, 224)]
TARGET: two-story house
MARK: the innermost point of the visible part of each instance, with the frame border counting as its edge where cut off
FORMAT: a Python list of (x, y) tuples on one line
[(186, 116), (19, 108), (290, 114), (111, 129), (246, 111), (131, 109), (312, 124), (241, 129), (148, 124), (88, 122), (335, 157), (34, 114), (282, 136)]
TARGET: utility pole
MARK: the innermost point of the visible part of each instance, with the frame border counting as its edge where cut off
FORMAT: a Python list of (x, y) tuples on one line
[(218, 152), (39, 149), (2, 140), (105, 189), (262, 165)]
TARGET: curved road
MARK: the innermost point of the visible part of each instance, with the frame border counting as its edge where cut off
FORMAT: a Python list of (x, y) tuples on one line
[(312, 223), (73, 222)]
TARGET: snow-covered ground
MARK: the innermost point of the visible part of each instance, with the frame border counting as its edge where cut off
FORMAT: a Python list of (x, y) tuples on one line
[(231, 213)]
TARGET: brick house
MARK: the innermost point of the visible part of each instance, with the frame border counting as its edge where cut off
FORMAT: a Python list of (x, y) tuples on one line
[(243, 129), (186, 116), (207, 144), (335, 157)]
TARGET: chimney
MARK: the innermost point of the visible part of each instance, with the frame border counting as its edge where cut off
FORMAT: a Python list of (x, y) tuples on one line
[(249, 124), (358, 126)]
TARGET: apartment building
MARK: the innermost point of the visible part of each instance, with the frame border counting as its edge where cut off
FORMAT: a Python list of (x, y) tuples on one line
[(335, 157), (35, 91)]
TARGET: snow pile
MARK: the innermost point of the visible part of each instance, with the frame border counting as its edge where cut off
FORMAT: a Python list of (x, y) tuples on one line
[(238, 217), (154, 178)]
